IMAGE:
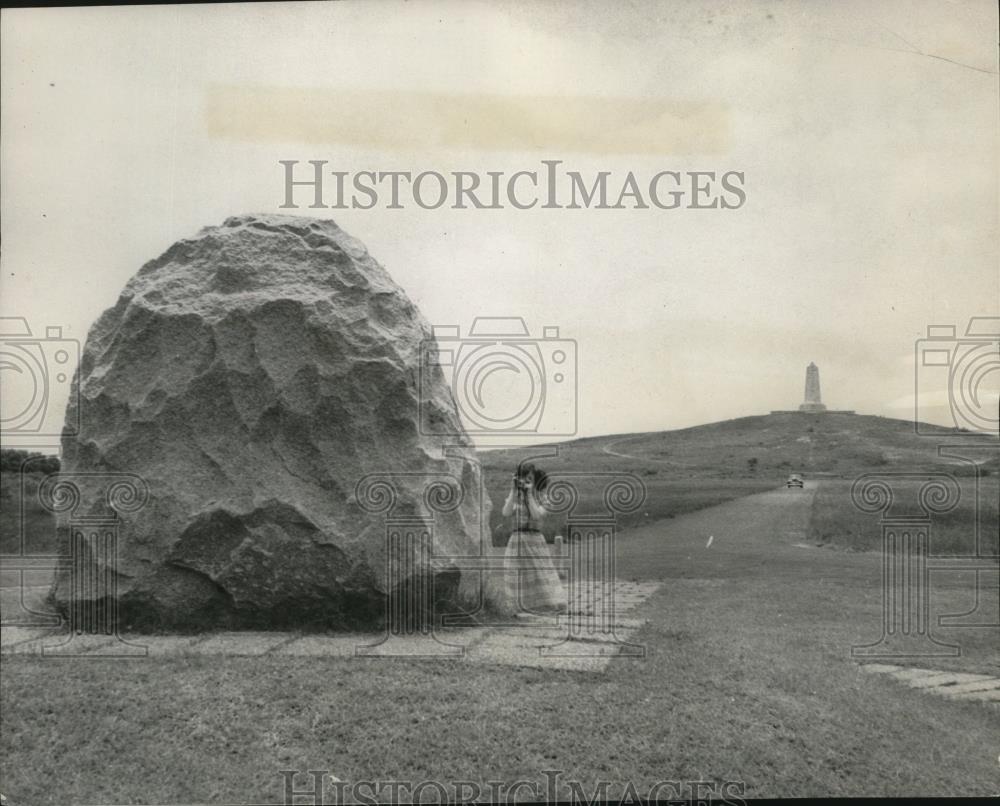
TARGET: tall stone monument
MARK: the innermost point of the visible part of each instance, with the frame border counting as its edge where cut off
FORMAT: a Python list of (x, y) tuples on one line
[(813, 402)]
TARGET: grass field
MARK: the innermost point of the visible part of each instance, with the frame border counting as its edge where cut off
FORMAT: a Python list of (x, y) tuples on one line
[(748, 675), (38, 524), (692, 468), (747, 678), (738, 685), (838, 523)]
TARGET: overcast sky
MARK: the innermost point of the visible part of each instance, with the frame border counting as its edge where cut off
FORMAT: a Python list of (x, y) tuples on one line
[(867, 133)]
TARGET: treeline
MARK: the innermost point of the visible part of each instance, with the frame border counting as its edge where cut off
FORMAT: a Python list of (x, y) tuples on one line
[(13, 461)]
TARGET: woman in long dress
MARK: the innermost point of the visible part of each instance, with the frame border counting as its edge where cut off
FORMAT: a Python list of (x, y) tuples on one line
[(532, 581)]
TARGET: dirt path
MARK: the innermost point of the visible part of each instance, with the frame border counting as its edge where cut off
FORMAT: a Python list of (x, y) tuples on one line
[(609, 449)]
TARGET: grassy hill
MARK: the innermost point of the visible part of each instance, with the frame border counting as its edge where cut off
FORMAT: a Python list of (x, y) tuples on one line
[(692, 468), (828, 444)]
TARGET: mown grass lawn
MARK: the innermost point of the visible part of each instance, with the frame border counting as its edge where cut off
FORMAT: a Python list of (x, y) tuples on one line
[(748, 677), (739, 684)]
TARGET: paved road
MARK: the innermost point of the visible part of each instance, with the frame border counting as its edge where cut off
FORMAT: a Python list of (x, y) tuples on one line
[(758, 536)]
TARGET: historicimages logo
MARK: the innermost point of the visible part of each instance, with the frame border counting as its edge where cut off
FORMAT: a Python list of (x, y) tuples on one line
[(312, 787)]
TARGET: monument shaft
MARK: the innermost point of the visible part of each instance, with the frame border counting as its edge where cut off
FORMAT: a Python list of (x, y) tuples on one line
[(813, 400)]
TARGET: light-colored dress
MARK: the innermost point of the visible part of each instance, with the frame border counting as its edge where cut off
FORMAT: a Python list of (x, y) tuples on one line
[(532, 583)]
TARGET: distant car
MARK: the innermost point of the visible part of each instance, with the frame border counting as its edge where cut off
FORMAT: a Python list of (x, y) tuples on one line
[(795, 481)]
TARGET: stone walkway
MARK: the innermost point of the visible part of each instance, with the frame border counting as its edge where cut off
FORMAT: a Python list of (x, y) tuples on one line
[(586, 638), (953, 685)]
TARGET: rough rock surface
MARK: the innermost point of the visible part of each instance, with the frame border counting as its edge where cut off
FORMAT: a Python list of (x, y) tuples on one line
[(251, 376)]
